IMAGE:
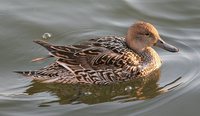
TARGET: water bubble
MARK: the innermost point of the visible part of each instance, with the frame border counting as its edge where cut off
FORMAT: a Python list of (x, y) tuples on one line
[(128, 89), (88, 93), (46, 36)]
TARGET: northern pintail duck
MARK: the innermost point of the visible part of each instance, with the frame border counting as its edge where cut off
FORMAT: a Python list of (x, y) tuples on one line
[(104, 60)]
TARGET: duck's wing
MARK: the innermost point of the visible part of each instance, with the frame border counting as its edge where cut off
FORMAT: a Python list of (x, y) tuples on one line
[(100, 53), (73, 57), (111, 43)]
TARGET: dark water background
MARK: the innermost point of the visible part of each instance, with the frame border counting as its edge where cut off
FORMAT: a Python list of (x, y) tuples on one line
[(177, 93)]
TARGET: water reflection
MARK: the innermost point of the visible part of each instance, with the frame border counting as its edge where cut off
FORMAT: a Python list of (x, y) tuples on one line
[(138, 89)]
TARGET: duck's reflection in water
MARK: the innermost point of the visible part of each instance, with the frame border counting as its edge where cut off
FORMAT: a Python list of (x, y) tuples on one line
[(138, 89)]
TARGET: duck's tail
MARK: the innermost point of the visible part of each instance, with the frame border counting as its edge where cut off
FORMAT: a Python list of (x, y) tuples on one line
[(56, 51), (48, 74), (35, 75), (26, 73)]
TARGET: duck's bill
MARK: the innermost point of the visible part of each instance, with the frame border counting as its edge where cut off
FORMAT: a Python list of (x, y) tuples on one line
[(162, 44)]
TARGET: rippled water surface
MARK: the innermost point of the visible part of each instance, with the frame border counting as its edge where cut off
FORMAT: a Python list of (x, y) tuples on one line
[(174, 90)]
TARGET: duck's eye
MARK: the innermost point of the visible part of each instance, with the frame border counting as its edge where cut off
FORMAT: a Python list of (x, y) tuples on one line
[(147, 34)]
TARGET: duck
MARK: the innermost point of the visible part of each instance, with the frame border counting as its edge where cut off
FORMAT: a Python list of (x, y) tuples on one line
[(103, 60)]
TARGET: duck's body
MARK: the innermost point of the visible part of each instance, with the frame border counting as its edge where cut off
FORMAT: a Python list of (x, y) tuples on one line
[(98, 61)]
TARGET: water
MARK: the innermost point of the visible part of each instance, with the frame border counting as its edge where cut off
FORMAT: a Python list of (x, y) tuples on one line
[(174, 91)]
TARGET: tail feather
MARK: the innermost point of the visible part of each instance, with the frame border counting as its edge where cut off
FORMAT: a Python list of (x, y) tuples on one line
[(41, 58), (58, 51), (26, 73), (33, 75), (48, 74)]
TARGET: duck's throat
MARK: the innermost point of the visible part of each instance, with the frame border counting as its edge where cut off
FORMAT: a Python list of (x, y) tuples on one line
[(150, 61)]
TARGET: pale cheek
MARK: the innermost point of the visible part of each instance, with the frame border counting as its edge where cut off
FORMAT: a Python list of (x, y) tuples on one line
[(149, 42), (141, 44)]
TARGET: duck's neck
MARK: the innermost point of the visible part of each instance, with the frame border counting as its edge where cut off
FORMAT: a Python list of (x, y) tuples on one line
[(150, 60)]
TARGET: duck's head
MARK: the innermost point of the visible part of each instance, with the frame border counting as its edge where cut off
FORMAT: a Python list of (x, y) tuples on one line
[(142, 35)]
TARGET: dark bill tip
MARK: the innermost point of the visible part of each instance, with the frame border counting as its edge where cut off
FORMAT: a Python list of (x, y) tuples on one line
[(160, 43)]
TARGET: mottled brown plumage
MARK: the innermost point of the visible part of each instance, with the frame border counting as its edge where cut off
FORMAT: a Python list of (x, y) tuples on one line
[(104, 60)]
